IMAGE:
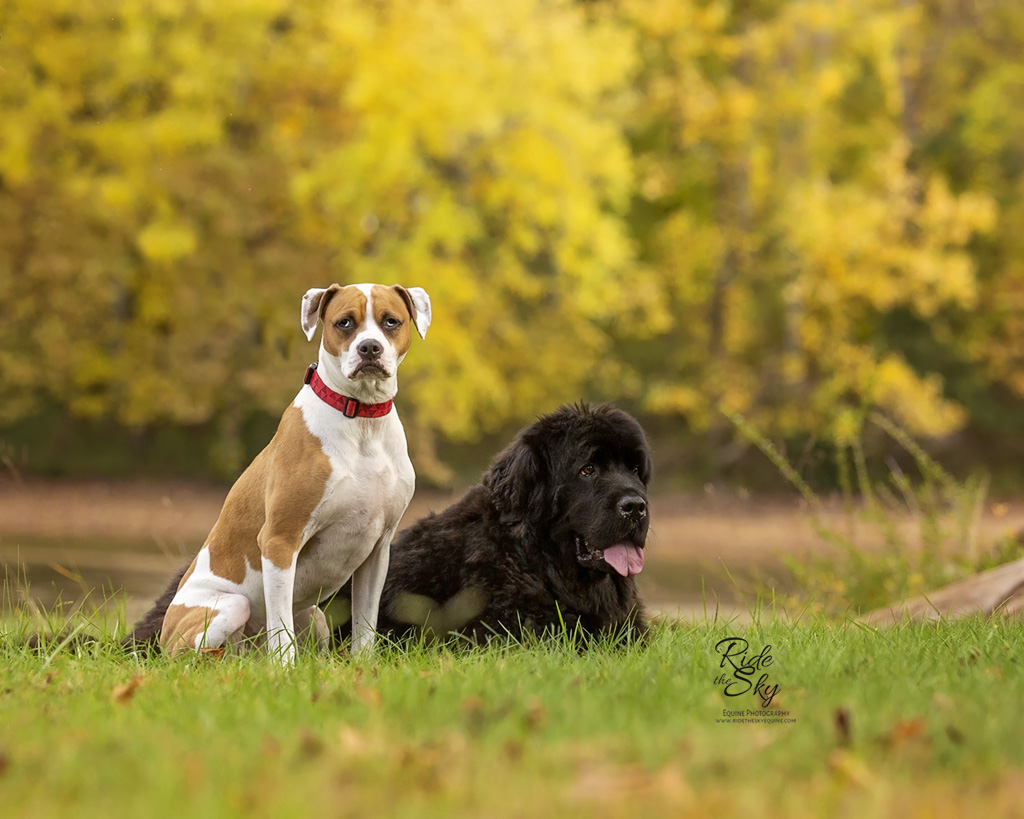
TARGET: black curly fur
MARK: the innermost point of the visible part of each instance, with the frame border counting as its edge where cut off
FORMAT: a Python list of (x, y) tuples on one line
[(146, 632), (503, 559)]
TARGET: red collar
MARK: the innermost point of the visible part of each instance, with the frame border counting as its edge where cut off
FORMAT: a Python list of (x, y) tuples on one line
[(349, 407)]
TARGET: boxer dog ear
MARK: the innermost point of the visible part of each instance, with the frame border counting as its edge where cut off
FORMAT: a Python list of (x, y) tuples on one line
[(313, 305), (418, 303)]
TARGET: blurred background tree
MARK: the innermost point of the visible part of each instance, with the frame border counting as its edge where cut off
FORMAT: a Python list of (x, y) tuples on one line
[(786, 208), (797, 222)]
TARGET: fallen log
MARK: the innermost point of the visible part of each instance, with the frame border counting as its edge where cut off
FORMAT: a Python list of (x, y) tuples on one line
[(998, 591)]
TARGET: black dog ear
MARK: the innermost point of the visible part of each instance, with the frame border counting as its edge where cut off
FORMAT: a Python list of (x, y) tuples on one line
[(516, 480), (645, 466)]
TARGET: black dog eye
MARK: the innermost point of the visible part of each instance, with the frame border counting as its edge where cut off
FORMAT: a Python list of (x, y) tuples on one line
[(587, 470), (344, 323), (636, 470), (391, 323)]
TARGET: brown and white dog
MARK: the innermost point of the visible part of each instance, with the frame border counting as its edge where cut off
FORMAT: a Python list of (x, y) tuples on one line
[(321, 503)]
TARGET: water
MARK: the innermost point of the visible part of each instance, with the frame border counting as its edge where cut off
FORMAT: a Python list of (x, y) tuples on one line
[(109, 572)]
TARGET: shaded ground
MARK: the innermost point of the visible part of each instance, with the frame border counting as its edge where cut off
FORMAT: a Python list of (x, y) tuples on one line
[(70, 537)]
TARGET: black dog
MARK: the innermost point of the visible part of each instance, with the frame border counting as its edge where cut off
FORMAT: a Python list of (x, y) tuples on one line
[(550, 539)]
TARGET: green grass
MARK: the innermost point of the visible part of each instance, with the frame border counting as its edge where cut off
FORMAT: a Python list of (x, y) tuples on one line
[(915, 720)]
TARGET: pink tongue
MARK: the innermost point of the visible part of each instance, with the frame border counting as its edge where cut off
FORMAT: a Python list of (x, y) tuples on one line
[(625, 558)]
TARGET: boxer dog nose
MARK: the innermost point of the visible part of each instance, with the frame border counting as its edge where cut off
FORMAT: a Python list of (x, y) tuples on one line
[(370, 349)]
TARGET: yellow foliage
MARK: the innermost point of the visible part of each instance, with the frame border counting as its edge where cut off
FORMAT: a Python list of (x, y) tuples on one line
[(820, 221), (916, 403), (166, 242), (216, 160), (688, 205), (846, 428)]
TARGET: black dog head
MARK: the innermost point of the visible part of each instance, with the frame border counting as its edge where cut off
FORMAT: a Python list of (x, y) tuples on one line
[(575, 482)]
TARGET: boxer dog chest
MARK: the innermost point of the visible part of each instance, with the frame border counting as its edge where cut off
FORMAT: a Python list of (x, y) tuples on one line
[(321, 503)]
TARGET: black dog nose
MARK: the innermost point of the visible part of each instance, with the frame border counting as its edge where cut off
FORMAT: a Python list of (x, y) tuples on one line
[(633, 506), (371, 348)]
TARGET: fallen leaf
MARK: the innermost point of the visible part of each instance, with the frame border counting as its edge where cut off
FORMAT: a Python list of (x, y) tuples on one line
[(310, 745), (907, 730), (536, 714), (124, 692), (514, 750), (369, 696), (844, 730), (354, 742), (849, 768), (603, 783), (476, 713)]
